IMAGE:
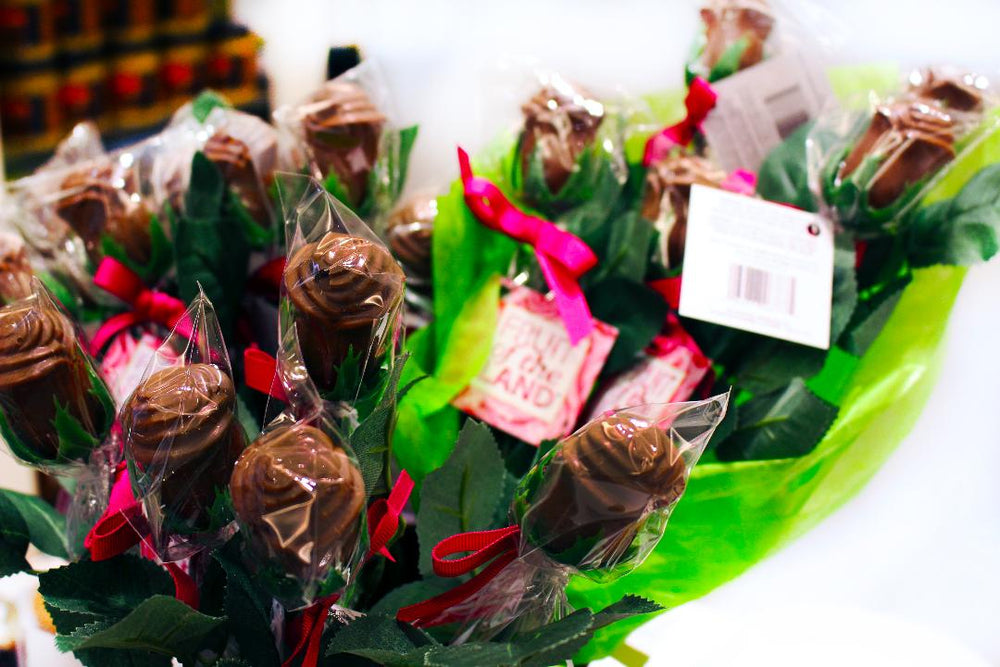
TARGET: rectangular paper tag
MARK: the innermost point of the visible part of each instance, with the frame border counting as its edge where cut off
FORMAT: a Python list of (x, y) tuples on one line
[(758, 266), (760, 106)]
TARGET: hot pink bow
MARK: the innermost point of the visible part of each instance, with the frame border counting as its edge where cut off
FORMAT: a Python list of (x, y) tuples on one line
[(699, 101), (562, 256), (147, 305)]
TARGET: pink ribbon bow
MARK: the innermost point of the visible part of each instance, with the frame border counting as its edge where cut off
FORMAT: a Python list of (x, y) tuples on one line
[(562, 256), (699, 101), (147, 305)]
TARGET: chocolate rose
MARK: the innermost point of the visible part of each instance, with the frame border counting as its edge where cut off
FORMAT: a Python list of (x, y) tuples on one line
[(954, 91), (93, 205), (912, 139), (410, 228), (15, 270), (729, 21), (181, 431), (667, 193), (301, 497), (232, 157), (559, 124), (597, 488), (344, 290), (343, 128), (42, 367)]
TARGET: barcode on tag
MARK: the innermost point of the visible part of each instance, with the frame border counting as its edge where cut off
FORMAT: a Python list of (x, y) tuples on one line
[(768, 290)]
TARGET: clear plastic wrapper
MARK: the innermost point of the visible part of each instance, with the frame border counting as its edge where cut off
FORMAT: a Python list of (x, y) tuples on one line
[(569, 149), (54, 408), (409, 235), (300, 501), (735, 35), (595, 504), (82, 144), (242, 146), (873, 164), (182, 437), (341, 299), (347, 135), (15, 268)]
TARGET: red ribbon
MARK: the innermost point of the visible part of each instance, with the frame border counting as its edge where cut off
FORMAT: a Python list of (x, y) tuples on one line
[(497, 547), (562, 256), (699, 101), (260, 372), (267, 279), (306, 631), (383, 516), (147, 305), (122, 526)]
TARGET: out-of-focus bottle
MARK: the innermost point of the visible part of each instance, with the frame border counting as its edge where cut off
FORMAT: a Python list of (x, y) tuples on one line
[(11, 637)]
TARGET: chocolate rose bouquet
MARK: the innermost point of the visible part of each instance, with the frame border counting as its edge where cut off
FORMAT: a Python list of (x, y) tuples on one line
[(874, 165), (341, 303), (595, 504), (299, 497), (344, 135), (182, 436), (54, 408)]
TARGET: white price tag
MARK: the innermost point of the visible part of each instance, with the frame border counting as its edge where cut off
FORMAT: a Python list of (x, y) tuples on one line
[(760, 106), (758, 266)]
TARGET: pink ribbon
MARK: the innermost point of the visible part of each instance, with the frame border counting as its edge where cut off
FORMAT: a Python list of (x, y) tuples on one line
[(699, 101), (562, 256), (147, 305), (741, 181)]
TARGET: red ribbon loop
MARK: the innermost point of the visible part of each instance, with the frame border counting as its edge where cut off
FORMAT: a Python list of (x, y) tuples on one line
[(383, 516), (306, 631), (497, 547), (260, 372), (147, 305), (700, 99), (563, 257)]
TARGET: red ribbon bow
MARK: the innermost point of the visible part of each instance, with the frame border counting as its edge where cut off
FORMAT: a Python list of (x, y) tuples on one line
[(260, 372), (562, 256), (497, 547), (700, 99), (147, 305), (122, 526)]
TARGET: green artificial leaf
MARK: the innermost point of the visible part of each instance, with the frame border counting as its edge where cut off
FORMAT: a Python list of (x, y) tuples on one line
[(333, 185), (210, 247), (627, 250), (232, 662), (871, 315), (845, 288), (103, 589), (960, 231), (248, 609), (27, 520), (160, 624), (206, 102), (160, 257), (630, 605), (379, 638), (637, 311), (462, 495), (257, 237), (729, 62), (75, 442), (784, 423), (502, 515), (768, 363), (17, 446), (411, 593), (407, 137), (371, 439), (783, 176)]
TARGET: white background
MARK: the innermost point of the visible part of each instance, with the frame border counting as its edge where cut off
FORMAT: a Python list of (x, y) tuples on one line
[(906, 573)]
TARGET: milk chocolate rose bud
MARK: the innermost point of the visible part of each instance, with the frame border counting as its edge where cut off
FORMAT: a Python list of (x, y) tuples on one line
[(15, 270), (181, 431), (598, 487), (232, 157), (94, 205), (559, 124), (42, 367), (668, 191), (301, 497), (953, 91), (343, 129), (345, 291), (912, 139), (729, 21), (410, 229)]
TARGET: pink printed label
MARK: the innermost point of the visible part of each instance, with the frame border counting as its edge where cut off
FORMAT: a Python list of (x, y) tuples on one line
[(536, 381)]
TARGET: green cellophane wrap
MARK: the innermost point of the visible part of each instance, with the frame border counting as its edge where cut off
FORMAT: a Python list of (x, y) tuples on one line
[(733, 514)]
